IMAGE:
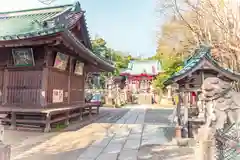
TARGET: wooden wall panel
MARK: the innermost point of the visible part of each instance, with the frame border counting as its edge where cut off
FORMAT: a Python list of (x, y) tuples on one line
[(57, 80), (77, 88), (24, 87)]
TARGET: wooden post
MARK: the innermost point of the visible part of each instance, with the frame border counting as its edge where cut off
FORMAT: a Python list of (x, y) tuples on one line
[(5, 85), (81, 114), (179, 109), (67, 114), (44, 87), (47, 123), (185, 120), (45, 74), (83, 83), (90, 111), (1, 132), (202, 77), (13, 120), (69, 79)]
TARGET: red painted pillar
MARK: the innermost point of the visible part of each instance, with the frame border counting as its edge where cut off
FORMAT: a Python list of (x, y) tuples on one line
[(193, 99)]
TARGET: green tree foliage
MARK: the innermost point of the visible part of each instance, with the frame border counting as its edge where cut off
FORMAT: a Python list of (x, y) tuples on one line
[(120, 59), (100, 48), (170, 65), (174, 45)]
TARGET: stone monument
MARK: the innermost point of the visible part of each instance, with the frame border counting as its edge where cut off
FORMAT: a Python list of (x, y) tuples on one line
[(222, 103), (222, 107)]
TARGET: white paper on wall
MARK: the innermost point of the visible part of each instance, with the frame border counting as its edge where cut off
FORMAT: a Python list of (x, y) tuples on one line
[(57, 96)]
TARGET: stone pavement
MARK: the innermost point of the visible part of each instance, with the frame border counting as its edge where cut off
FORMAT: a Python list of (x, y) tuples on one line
[(64, 144), (115, 137), (123, 139)]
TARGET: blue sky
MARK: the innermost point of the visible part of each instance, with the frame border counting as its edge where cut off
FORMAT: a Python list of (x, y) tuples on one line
[(126, 25)]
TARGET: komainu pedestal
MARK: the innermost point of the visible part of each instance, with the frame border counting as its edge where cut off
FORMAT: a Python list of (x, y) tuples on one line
[(5, 152)]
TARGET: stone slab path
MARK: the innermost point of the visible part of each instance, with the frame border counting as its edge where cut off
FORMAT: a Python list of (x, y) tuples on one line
[(117, 136), (123, 140)]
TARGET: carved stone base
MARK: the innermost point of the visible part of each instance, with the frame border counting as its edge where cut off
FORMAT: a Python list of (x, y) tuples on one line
[(206, 145), (5, 152)]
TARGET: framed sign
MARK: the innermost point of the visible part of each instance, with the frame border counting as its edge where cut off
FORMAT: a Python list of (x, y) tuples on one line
[(61, 61), (57, 96), (23, 57), (79, 68)]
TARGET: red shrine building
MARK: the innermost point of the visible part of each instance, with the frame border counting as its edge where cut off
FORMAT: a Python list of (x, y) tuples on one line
[(140, 74)]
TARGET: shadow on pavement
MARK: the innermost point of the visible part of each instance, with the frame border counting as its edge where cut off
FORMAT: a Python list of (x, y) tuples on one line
[(165, 152)]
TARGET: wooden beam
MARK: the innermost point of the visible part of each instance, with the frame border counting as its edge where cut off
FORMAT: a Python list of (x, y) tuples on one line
[(20, 43)]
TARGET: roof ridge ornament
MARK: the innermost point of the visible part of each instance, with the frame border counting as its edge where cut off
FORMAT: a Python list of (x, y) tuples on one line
[(77, 7)]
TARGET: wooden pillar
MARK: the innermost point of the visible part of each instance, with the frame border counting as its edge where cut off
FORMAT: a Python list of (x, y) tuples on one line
[(69, 79), (178, 128), (44, 87), (83, 83), (47, 123), (45, 74), (5, 150), (13, 121), (185, 120), (178, 114), (90, 111), (202, 77), (5, 85)]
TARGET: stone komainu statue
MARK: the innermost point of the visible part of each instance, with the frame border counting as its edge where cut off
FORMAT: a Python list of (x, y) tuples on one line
[(222, 103)]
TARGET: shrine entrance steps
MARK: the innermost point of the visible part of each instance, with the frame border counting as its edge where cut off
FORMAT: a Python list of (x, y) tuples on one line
[(45, 119)]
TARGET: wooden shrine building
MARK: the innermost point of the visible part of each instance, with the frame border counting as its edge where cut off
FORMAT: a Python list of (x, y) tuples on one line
[(189, 79), (45, 59)]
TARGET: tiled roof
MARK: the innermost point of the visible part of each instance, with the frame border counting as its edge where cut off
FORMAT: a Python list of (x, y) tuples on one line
[(194, 60), (37, 22), (138, 67), (72, 39), (202, 53), (47, 21)]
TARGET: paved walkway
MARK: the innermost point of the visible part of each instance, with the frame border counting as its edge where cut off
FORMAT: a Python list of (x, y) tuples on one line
[(115, 137), (123, 140)]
